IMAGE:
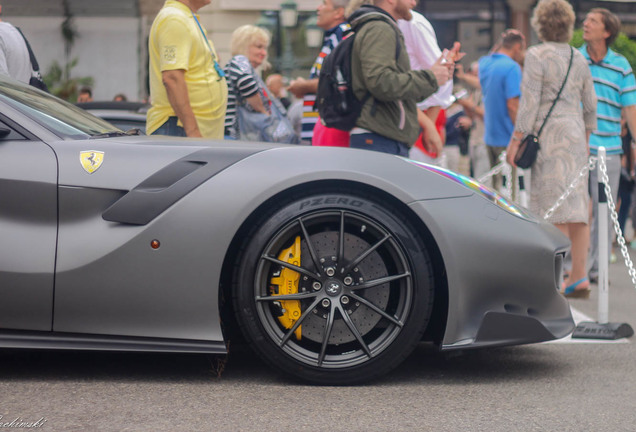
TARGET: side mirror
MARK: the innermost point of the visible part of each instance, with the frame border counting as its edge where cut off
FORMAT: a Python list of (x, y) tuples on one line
[(4, 132)]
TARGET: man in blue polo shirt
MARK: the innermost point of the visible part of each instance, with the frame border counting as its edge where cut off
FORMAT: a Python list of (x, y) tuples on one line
[(500, 78), (616, 92)]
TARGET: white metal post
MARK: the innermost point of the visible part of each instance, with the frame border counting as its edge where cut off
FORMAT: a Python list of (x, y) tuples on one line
[(523, 190), (603, 246), (507, 182), (602, 328)]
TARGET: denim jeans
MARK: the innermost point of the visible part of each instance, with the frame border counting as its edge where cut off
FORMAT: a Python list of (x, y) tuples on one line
[(170, 128), (375, 142)]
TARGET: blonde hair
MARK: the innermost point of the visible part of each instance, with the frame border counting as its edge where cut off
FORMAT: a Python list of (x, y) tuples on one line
[(553, 20), (246, 35)]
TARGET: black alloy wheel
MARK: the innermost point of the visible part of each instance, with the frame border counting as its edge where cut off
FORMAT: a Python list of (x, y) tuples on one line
[(334, 289)]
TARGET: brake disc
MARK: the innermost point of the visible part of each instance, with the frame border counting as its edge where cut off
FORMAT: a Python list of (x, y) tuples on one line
[(372, 267)]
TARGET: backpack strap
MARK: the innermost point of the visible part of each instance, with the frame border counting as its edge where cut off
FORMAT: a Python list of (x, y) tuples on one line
[(379, 17), (398, 48)]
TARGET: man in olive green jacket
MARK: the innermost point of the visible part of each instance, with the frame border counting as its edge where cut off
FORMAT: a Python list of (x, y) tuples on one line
[(388, 121)]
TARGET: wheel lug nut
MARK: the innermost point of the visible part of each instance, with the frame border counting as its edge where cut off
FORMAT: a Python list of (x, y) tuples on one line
[(326, 303), (344, 300), (316, 286), (330, 271), (348, 280)]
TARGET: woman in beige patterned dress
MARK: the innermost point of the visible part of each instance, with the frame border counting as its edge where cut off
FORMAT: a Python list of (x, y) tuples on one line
[(564, 139)]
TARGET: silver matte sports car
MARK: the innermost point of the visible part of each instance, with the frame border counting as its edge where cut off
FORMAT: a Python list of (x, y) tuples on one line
[(332, 264)]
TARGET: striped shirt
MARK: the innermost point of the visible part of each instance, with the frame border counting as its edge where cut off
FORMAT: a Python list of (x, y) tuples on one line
[(310, 116), (240, 80), (615, 88)]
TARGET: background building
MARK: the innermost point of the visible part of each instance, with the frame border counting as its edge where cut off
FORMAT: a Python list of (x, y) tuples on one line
[(111, 42)]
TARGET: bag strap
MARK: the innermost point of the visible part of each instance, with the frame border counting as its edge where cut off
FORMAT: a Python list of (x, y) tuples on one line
[(558, 94), (34, 63), (376, 16), (397, 52), (217, 67)]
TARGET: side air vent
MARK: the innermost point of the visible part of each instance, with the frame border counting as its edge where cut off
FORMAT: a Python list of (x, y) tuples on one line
[(161, 190)]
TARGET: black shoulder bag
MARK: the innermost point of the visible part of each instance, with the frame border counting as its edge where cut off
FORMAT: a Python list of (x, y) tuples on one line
[(529, 147)]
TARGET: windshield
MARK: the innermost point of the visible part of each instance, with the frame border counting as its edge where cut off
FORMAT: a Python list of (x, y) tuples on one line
[(62, 118)]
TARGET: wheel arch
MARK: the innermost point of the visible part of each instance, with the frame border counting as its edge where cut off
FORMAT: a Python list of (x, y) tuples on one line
[(437, 324)]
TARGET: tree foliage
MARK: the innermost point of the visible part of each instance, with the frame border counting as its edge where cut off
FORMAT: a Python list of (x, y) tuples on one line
[(60, 82), (58, 78)]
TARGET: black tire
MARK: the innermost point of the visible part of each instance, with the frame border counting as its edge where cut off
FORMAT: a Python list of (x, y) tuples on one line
[(356, 324)]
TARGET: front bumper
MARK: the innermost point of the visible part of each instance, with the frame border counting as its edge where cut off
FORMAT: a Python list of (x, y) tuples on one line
[(503, 274)]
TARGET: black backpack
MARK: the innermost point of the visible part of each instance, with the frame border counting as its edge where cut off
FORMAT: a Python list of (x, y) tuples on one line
[(337, 105)]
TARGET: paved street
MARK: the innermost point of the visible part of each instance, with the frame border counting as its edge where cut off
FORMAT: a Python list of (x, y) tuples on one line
[(547, 387)]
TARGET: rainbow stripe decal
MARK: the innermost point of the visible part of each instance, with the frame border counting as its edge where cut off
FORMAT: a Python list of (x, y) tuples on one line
[(474, 186)]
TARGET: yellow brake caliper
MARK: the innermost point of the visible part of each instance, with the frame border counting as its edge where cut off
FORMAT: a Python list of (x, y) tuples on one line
[(287, 283)]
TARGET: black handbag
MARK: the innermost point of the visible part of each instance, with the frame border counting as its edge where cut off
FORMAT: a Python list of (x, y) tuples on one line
[(528, 150), (529, 146)]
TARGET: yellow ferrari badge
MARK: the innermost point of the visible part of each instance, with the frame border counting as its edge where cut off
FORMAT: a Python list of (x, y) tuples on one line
[(91, 160)]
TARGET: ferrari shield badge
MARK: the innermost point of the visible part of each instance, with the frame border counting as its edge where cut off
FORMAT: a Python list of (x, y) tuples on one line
[(91, 160)]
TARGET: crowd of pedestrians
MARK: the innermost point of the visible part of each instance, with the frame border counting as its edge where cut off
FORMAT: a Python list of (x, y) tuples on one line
[(576, 100)]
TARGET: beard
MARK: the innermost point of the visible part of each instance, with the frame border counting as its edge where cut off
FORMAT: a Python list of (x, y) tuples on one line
[(402, 11)]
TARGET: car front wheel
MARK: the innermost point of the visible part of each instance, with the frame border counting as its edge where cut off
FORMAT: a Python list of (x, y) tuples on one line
[(334, 288)]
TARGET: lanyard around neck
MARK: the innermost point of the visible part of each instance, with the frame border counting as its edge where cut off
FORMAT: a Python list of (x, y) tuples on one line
[(219, 70)]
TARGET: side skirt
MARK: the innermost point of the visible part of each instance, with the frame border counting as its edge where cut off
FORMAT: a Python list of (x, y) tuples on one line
[(72, 341)]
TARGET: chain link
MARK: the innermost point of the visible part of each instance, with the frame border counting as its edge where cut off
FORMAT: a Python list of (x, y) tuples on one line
[(501, 168), (493, 172), (507, 174), (582, 173), (617, 228)]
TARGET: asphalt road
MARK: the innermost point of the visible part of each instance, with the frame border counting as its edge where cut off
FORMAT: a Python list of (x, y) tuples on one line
[(546, 387)]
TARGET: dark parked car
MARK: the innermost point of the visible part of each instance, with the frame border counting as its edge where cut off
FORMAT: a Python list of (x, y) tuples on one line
[(124, 115)]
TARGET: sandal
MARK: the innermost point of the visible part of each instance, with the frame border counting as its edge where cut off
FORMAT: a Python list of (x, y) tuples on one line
[(571, 291)]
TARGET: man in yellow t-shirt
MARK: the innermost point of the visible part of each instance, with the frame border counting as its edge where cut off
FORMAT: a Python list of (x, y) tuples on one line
[(188, 91)]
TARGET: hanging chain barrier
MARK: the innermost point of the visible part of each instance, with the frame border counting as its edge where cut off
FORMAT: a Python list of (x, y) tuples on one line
[(591, 165), (617, 228), (504, 168), (497, 169)]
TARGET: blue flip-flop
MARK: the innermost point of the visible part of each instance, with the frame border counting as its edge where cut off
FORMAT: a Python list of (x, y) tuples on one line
[(571, 291)]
